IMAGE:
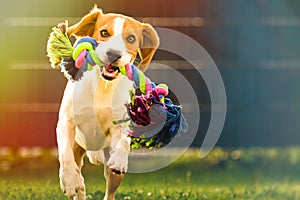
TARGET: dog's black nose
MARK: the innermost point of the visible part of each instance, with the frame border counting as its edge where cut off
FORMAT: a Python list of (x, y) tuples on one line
[(113, 56)]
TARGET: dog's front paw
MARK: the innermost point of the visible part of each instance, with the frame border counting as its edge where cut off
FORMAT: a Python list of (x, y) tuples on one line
[(118, 161), (71, 181)]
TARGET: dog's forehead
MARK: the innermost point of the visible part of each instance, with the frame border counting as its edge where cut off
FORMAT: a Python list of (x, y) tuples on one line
[(119, 23)]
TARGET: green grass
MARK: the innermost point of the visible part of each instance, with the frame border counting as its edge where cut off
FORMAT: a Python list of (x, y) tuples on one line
[(255, 173)]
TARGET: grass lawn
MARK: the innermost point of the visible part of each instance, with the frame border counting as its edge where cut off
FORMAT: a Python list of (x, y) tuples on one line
[(253, 173)]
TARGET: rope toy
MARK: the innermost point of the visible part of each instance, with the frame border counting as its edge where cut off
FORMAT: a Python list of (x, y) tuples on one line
[(83, 58), (155, 121), (62, 54)]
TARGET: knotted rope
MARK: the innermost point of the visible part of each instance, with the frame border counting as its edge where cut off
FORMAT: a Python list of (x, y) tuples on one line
[(143, 82), (155, 120), (84, 54)]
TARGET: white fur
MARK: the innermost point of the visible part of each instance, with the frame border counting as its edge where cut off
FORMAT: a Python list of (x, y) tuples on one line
[(118, 25)]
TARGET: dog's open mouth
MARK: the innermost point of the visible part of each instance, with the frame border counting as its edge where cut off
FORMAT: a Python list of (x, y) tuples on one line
[(110, 72)]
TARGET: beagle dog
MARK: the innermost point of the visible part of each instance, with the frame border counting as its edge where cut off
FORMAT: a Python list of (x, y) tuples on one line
[(89, 106)]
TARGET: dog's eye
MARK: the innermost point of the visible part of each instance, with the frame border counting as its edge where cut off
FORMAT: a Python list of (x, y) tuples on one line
[(104, 33), (131, 39)]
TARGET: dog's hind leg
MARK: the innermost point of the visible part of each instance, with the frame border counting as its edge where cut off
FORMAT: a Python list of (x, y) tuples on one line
[(113, 181), (79, 153), (116, 166)]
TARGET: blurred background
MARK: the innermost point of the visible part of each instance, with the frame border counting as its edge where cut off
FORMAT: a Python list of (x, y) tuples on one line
[(255, 45)]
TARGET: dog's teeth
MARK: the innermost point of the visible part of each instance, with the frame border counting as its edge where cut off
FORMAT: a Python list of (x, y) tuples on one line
[(109, 72)]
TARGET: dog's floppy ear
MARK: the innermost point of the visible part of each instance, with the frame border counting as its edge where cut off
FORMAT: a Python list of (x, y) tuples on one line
[(86, 26), (148, 45)]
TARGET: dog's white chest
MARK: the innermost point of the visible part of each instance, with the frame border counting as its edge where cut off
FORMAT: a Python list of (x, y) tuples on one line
[(96, 103)]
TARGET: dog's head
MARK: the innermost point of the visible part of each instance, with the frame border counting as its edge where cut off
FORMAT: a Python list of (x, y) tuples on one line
[(120, 39)]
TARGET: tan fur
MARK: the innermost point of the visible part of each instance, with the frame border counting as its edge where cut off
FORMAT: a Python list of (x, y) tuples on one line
[(90, 105)]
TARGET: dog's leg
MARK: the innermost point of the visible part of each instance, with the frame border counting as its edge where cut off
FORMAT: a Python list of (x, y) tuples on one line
[(70, 178), (112, 183), (71, 181), (117, 163), (120, 147), (79, 153)]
